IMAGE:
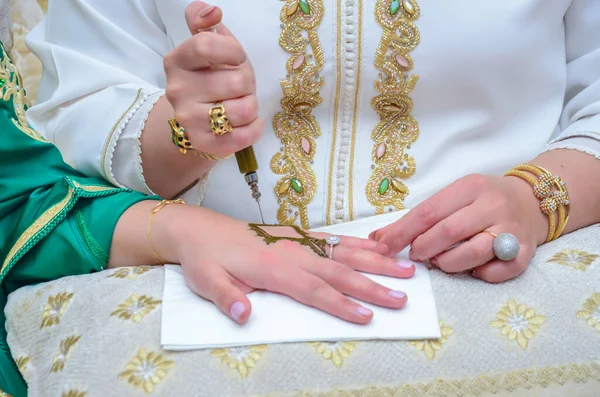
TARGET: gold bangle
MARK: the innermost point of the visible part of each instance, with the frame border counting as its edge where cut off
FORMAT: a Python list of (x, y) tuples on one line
[(538, 191), (153, 212), (551, 201)]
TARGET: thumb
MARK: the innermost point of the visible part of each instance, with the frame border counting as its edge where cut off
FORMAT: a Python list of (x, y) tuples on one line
[(202, 16)]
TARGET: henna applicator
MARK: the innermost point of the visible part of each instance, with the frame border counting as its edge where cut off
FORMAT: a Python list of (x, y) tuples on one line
[(248, 165)]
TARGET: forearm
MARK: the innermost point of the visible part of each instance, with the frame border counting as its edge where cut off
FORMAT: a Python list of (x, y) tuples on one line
[(130, 244), (166, 171), (581, 173)]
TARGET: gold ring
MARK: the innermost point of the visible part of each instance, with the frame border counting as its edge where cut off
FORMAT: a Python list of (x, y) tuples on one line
[(182, 141), (219, 122), (494, 235)]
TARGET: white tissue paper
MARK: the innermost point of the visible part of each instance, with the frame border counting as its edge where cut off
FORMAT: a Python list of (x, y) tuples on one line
[(190, 322)]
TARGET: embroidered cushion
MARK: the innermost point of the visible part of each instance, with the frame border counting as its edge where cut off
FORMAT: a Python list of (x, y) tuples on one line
[(539, 335)]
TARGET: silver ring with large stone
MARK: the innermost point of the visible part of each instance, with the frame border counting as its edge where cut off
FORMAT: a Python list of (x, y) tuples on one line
[(332, 241), (506, 246)]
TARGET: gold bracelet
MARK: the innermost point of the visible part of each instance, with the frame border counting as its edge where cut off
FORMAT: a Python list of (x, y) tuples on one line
[(551, 201), (154, 211)]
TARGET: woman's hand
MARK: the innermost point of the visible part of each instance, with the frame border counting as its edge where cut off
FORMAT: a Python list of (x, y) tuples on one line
[(223, 260), (462, 212), (212, 67)]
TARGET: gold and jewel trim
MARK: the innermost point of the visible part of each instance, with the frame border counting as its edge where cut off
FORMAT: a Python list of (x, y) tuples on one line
[(295, 125), (397, 130), (11, 89)]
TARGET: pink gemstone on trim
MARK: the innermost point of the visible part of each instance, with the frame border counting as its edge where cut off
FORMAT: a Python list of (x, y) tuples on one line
[(299, 61), (380, 151), (305, 145), (402, 61)]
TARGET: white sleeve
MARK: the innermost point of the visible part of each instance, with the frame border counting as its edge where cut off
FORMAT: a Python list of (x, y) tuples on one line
[(103, 72), (580, 121)]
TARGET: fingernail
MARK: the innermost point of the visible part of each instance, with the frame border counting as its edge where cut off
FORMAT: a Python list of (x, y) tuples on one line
[(207, 10), (397, 294), (405, 264), (363, 311), (237, 309)]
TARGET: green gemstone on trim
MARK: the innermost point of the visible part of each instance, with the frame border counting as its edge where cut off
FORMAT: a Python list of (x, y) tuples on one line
[(304, 6), (2, 82), (394, 7), (384, 186), (297, 185)]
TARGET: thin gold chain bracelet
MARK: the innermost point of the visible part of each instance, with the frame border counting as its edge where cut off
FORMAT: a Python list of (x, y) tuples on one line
[(156, 209)]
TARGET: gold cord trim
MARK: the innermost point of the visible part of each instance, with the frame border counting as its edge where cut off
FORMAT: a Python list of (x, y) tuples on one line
[(397, 130), (112, 133), (36, 227), (336, 113), (295, 125)]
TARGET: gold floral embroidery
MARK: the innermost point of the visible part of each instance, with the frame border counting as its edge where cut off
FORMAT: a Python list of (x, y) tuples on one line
[(430, 346), (64, 351), (11, 86), (518, 322), (29, 302), (591, 311), (146, 370), (397, 130), (576, 259), (241, 359), (136, 308), (55, 308), (295, 125), (335, 352), (4, 394), (130, 272), (22, 364), (74, 393)]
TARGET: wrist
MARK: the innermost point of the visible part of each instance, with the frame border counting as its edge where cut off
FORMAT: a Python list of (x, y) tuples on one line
[(536, 220)]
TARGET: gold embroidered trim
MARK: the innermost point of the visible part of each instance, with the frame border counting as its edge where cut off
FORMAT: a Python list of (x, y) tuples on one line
[(112, 133), (397, 130), (295, 125), (484, 384), (94, 188), (336, 113), (355, 116), (36, 227), (11, 86)]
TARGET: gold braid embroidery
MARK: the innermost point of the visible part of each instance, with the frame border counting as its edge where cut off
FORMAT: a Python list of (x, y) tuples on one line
[(11, 86), (295, 125), (315, 244), (397, 130)]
